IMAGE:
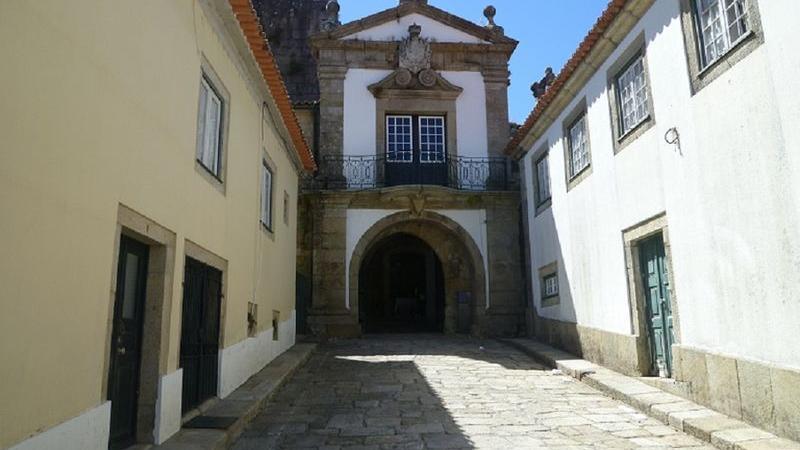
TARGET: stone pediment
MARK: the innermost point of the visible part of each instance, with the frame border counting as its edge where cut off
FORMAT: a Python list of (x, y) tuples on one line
[(489, 34), (403, 84)]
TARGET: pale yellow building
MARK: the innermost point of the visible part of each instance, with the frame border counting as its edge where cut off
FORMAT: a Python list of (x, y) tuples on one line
[(149, 172)]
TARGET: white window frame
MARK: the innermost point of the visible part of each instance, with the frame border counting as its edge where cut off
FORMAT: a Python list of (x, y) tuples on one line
[(550, 290), (406, 152), (714, 26), (543, 193), (209, 136), (637, 98), (582, 148), (267, 180), (423, 151)]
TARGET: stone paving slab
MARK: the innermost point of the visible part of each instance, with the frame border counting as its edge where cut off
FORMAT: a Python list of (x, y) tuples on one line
[(445, 392), (243, 404), (680, 414)]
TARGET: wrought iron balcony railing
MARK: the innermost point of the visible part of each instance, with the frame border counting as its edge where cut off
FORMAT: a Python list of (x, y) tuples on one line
[(370, 172)]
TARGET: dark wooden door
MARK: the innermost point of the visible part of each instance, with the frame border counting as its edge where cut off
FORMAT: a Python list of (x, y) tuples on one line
[(123, 377), (202, 294), (416, 150), (658, 309)]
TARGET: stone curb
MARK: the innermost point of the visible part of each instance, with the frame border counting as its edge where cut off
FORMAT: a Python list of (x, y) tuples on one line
[(243, 404), (705, 424)]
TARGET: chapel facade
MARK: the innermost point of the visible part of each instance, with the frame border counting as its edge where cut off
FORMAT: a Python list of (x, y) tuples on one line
[(412, 220)]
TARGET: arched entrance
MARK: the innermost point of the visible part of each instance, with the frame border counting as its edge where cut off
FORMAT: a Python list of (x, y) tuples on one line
[(423, 249), (401, 287)]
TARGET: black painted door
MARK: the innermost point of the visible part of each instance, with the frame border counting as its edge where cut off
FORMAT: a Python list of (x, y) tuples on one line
[(416, 150), (123, 377), (202, 293)]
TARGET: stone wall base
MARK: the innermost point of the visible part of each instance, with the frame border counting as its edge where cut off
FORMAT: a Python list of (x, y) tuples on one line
[(612, 350), (766, 396)]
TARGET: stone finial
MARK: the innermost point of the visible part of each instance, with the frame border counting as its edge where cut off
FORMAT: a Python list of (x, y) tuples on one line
[(330, 19), (490, 12), (421, 2), (333, 8)]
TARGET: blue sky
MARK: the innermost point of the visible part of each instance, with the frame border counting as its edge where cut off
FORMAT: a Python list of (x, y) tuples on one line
[(548, 31)]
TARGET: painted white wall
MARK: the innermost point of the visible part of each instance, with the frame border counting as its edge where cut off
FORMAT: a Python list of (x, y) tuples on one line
[(359, 221), (168, 406), (472, 136), (244, 359), (88, 431), (398, 30), (730, 196), (360, 119), (360, 110)]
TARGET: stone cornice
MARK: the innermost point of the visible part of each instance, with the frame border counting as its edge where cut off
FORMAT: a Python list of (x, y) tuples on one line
[(391, 46), (402, 198)]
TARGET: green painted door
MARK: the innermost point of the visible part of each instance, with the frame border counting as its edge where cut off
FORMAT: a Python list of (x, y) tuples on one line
[(658, 309)]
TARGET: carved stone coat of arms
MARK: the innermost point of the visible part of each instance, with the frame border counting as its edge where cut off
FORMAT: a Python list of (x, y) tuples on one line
[(415, 52)]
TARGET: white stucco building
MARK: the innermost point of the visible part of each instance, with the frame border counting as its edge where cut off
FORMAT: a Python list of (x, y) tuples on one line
[(661, 193)]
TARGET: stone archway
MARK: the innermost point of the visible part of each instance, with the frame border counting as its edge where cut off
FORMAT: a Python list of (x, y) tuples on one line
[(462, 264)]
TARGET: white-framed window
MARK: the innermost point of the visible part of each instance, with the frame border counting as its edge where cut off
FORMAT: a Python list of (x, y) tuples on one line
[(578, 147), (431, 139), (632, 96), (209, 128), (722, 23), (542, 167), (399, 139), (550, 286), (266, 195)]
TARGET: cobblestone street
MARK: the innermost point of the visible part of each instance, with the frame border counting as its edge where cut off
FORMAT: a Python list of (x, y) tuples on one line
[(431, 392)]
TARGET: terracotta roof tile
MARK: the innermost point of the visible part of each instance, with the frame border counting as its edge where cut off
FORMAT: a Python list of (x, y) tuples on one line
[(253, 33), (586, 46)]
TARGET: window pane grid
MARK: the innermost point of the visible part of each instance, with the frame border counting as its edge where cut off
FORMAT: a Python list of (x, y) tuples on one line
[(550, 286), (722, 24), (632, 86), (209, 128), (266, 196), (542, 180), (431, 139), (398, 139), (579, 151)]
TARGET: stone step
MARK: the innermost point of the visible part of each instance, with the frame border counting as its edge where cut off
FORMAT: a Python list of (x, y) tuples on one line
[(705, 424), (239, 408)]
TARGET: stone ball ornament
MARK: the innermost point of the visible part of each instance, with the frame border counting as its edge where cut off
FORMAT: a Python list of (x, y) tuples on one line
[(427, 77), (333, 7)]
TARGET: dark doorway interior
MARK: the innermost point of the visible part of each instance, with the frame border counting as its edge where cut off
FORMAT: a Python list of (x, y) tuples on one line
[(401, 287), (202, 294), (126, 341)]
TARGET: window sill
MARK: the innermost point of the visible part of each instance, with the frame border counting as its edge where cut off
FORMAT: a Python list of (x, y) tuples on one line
[(267, 230), (548, 302), (579, 177), (634, 133), (704, 71), (543, 206), (216, 181)]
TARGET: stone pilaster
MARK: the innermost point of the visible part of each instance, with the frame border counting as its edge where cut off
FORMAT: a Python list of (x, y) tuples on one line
[(331, 130), (505, 315), (496, 79)]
